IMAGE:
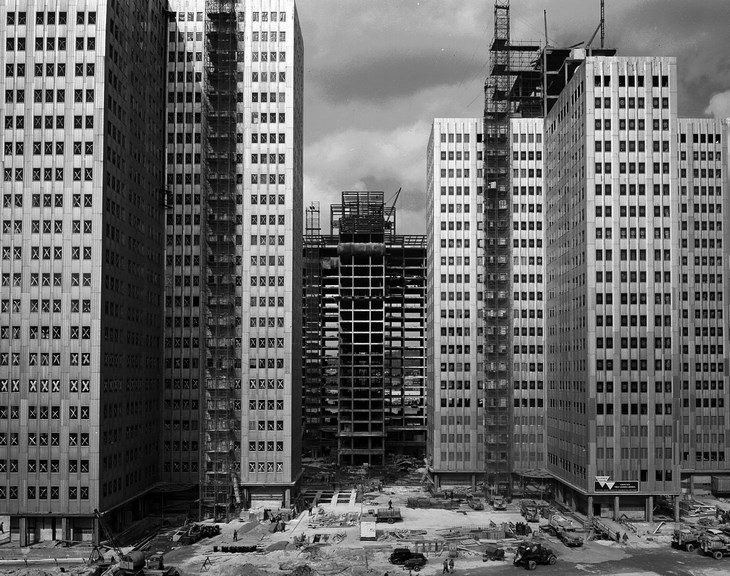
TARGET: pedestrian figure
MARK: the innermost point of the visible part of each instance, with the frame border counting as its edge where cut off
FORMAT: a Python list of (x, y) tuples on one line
[(2, 527), (451, 564), (235, 535), (446, 567), (626, 537), (618, 537), (310, 509), (390, 504)]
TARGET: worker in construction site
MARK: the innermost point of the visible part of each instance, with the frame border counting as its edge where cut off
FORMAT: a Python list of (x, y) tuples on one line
[(390, 504)]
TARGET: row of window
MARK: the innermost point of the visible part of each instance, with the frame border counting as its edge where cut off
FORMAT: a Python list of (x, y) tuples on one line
[(49, 174), (657, 102), (656, 124), (45, 466), (74, 385), (632, 81), (44, 412), (265, 404), (48, 121), (45, 253), (44, 492), (45, 279), (264, 36), (51, 18), (12, 70), (458, 138), (634, 364), (50, 44), (265, 466), (49, 148), (266, 343), (46, 359), (45, 306), (47, 95), (46, 332)]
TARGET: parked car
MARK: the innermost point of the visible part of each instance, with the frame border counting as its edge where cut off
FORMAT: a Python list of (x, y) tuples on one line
[(400, 555), (415, 562)]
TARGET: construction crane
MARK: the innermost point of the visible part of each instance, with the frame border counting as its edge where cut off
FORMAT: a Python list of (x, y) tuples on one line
[(96, 555), (389, 212)]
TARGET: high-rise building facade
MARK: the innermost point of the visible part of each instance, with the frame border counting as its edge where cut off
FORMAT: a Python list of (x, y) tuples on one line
[(82, 246), (185, 242), (702, 292), (365, 353), (234, 249), (456, 301), (528, 297), (612, 253)]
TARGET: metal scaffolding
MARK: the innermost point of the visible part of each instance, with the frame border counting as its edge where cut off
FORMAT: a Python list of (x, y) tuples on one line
[(525, 81), (220, 482)]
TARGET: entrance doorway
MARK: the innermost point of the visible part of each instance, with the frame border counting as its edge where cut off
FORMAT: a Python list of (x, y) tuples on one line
[(597, 509)]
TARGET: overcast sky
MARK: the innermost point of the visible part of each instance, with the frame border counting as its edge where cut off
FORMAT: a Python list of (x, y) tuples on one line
[(378, 71)]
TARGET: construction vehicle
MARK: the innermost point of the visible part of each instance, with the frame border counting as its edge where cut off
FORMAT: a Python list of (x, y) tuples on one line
[(565, 529), (132, 563), (686, 538), (530, 554), (492, 552), (475, 503), (715, 543), (498, 503), (529, 510), (569, 537), (389, 515)]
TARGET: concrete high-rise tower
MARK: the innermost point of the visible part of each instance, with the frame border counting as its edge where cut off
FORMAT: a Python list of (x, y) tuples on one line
[(234, 250), (82, 245)]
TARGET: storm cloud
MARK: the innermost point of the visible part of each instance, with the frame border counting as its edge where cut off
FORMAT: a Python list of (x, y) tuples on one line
[(378, 71)]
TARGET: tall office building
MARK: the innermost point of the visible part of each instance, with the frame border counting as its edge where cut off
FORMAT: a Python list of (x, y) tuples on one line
[(365, 334), (81, 286), (185, 245), (703, 207), (456, 301), (254, 85), (528, 297), (234, 249)]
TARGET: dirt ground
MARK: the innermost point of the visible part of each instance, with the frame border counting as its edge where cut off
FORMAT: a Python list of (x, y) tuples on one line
[(333, 546)]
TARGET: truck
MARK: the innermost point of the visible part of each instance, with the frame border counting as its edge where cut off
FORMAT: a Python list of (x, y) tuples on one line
[(475, 503), (530, 554), (686, 538), (529, 510), (565, 529), (715, 543), (389, 515)]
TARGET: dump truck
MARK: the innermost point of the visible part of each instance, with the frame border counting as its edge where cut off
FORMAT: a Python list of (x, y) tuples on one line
[(389, 515), (715, 543), (686, 538), (529, 510)]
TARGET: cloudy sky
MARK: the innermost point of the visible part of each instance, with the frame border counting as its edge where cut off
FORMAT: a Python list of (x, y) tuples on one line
[(378, 71)]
